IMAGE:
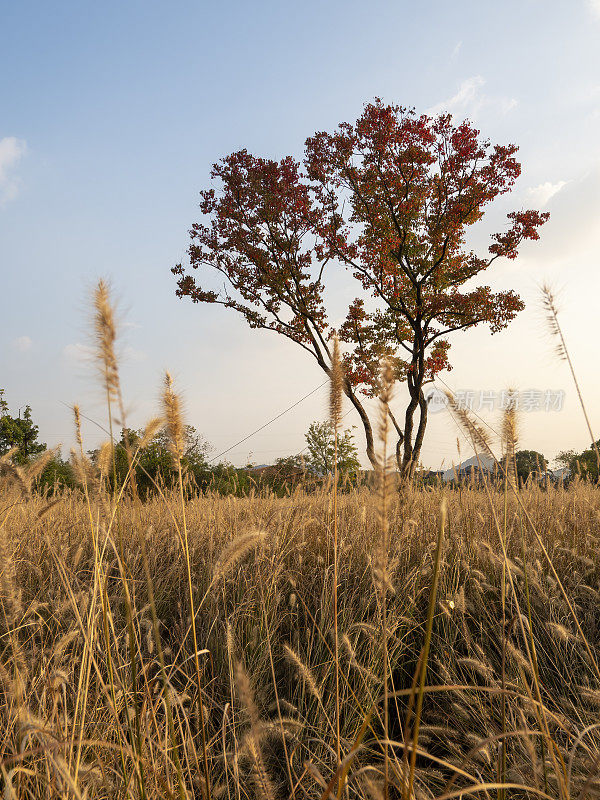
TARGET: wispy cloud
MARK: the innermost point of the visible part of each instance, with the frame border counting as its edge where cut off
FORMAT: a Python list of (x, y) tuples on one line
[(594, 6), (470, 99), (23, 343), (78, 352), (456, 51), (542, 194), (11, 152)]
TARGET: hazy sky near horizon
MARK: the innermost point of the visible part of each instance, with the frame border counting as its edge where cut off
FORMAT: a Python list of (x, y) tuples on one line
[(113, 113)]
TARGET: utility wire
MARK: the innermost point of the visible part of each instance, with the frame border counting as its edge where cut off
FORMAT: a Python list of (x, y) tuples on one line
[(475, 414), (270, 422)]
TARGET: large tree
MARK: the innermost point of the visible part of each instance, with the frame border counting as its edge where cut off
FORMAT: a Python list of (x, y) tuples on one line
[(391, 198)]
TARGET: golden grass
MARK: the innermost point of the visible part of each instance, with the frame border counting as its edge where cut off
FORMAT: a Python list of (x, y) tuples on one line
[(100, 685), (191, 648)]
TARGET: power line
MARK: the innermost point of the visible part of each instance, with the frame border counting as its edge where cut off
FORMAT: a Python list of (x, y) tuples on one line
[(475, 414), (89, 419), (270, 422)]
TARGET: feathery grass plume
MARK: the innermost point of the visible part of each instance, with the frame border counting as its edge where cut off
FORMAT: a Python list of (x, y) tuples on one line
[(235, 551), (10, 594), (35, 468), (510, 435), (77, 417), (15, 475), (384, 472), (479, 437), (175, 430), (336, 384), (264, 786), (424, 656), (551, 310), (153, 426), (105, 332), (173, 418), (304, 672), (105, 458)]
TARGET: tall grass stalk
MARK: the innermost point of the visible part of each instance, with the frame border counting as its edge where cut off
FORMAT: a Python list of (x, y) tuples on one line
[(335, 415), (551, 309), (174, 422), (382, 581), (424, 657)]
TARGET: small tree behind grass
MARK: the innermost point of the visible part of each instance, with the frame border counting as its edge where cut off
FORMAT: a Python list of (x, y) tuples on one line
[(320, 459), (19, 432), (584, 464), (154, 463), (528, 462)]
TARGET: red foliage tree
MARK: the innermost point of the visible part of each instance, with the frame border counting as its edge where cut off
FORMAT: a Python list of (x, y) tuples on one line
[(390, 197)]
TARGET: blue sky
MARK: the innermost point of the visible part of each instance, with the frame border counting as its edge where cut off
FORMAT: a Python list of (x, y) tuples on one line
[(113, 113)]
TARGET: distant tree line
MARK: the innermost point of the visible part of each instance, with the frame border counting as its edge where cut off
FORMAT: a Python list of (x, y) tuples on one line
[(156, 472)]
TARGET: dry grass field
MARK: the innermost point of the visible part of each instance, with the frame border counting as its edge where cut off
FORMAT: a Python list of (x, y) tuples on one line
[(109, 691), (390, 642)]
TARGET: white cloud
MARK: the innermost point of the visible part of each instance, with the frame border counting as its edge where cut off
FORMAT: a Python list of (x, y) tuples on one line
[(456, 51), (470, 99), (466, 95), (78, 352), (23, 343), (11, 152), (542, 194), (594, 6)]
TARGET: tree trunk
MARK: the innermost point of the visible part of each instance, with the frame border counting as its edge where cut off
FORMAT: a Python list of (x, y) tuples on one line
[(412, 451), (416, 450), (366, 424)]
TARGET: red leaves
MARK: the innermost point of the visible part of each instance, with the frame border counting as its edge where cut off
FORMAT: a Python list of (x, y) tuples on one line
[(391, 197), (525, 224)]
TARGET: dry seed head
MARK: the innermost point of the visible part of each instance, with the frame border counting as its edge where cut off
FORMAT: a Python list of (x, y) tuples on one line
[(304, 672), (5, 459), (474, 431), (77, 416), (477, 666), (336, 385), (35, 469), (246, 695), (153, 426), (510, 433), (235, 551), (15, 474), (550, 309), (173, 417), (519, 658), (48, 507), (106, 335), (386, 385), (105, 458), (560, 633)]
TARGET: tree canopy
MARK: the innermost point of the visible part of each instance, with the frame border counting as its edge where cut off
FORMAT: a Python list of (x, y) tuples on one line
[(584, 464), (529, 461), (19, 432), (391, 198)]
